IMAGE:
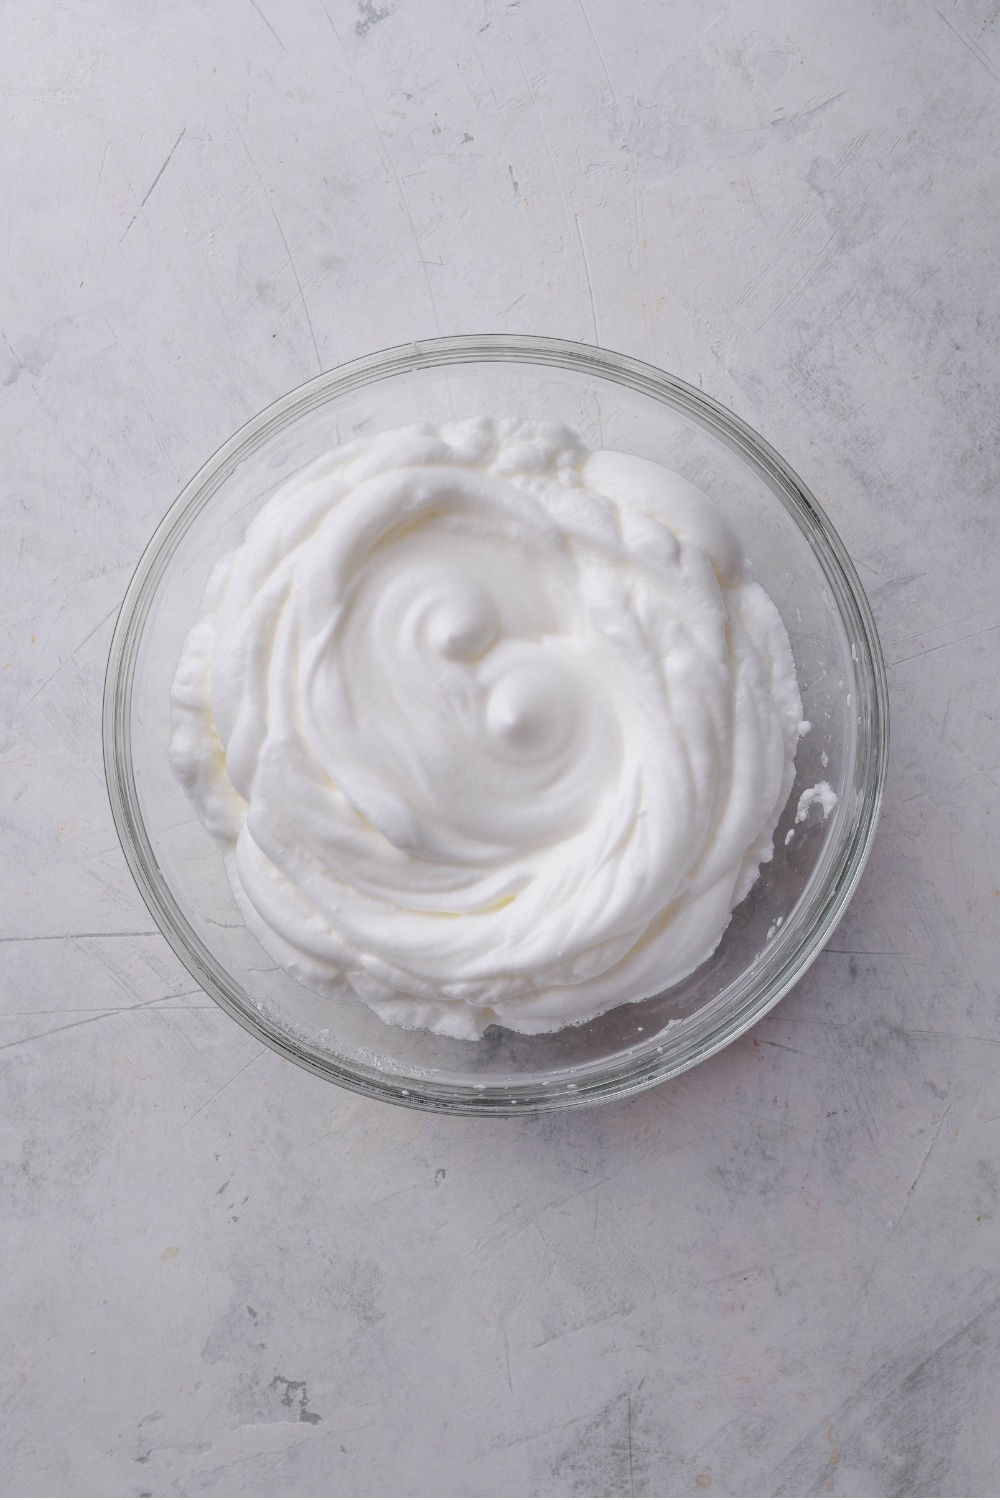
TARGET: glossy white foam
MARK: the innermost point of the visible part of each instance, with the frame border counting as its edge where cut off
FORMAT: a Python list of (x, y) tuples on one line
[(492, 728)]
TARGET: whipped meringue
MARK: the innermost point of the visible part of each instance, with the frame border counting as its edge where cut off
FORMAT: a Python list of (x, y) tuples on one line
[(492, 729)]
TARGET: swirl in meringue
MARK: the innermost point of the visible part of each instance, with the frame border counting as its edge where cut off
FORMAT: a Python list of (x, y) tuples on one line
[(493, 729)]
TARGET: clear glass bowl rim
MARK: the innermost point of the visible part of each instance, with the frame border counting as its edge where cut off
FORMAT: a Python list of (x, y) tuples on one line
[(623, 1076)]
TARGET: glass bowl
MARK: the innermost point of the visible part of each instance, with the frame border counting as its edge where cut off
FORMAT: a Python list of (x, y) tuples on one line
[(612, 402)]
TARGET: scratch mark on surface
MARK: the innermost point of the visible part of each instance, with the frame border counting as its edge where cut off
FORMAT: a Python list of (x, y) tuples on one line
[(856, 1096), (741, 64), (583, 1192), (225, 1085), (849, 156), (459, 13), (79, 647), (793, 233), (513, 304), (66, 937), (155, 180), (906, 1201), (970, 46), (953, 1036), (530, 1437), (100, 1010), (631, 1474), (103, 1015), (867, 952), (20, 549), (389, 166), (270, 28), (98, 184), (590, 284), (915, 635), (588, 1323), (943, 646), (545, 137), (288, 253), (71, 657), (955, 1338), (923, 1164), (632, 171), (813, 270), (602, 60), (774, 1122), (891, 1374), (814, 109), (784, 1047), (42, 686)]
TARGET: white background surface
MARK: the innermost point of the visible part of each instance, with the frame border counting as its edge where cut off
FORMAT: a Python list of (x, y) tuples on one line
[(779, 1274)]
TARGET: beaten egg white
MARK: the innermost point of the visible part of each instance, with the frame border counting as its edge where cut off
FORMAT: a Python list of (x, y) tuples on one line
[(493, 729)]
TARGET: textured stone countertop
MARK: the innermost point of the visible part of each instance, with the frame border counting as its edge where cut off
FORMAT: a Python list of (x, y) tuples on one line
[(778, 1275)]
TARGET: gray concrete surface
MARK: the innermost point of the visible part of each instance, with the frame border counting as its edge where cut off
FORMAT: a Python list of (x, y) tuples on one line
[(779, 1275)]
